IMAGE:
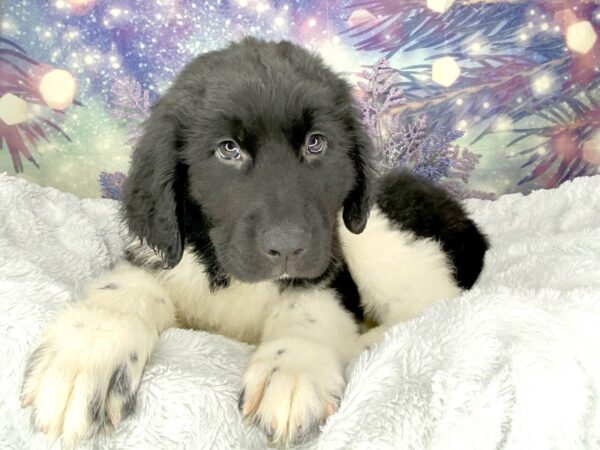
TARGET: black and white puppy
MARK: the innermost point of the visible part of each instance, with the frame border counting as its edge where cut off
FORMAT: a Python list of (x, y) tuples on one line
[(251, 184)]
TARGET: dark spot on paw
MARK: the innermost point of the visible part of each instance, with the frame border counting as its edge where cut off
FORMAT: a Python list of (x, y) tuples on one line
[(337, 399), (242, 399), (160, 300), (274, 369), (110, 286), (33, 361), (269, 433), (119, 381), (128, 406), (96, 411), (280, 352), (133, 357)]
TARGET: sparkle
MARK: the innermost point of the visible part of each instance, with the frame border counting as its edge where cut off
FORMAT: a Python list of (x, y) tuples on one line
[(542, 84), (544, 26), (262, 7), (439, 6), (445, 71), (459, 102), (486, 105), (581, 36), (476, 48)]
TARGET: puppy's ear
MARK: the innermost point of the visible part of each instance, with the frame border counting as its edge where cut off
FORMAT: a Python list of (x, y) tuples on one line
[(152, 202), (358, 202)]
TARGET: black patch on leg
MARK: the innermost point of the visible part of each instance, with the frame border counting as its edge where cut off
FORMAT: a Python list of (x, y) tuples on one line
[(346, 288), (133, 357), (417, 205), (110, 286)]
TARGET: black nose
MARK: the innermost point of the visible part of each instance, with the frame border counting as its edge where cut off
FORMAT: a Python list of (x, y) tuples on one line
[(281, 242)]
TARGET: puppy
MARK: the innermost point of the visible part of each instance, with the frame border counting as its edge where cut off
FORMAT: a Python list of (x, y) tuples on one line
[(251, 185)]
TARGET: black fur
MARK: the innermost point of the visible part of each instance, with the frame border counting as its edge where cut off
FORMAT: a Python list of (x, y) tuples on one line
[(428, 211), (268, 98), (343, 283)]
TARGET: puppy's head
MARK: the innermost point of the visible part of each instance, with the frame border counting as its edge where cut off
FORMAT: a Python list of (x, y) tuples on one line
[(248, 158)]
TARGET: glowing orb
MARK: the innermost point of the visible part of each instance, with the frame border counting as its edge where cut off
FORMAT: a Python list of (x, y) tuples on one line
[(58, 89), (439, 6), (445, 71), (542, 84), (13, 110), (581, 36), (503, 123), (359, 17), (79, 7)]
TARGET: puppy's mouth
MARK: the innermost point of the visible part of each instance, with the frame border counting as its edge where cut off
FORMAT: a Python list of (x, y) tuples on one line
[(255, 271)]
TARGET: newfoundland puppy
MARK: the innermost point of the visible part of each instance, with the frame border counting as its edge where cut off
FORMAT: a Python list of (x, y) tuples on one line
[(259, 219)]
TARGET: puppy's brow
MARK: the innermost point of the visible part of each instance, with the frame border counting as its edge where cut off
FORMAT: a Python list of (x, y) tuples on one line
[(300, 127)]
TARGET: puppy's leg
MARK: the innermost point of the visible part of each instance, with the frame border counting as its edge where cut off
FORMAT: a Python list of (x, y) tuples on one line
[(83, 376), (295, 379)]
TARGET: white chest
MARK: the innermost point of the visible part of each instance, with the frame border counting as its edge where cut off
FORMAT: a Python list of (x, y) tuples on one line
[(237, 311)]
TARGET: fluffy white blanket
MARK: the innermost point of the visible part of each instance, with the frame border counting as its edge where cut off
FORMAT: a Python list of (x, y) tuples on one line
[(514, 363)]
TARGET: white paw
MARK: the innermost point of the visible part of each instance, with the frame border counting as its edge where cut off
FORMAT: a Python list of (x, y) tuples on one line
[(291, 386), (83, 376)]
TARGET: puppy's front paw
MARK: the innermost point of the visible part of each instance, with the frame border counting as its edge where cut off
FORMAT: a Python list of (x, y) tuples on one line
[(83, 377), (291, 386)]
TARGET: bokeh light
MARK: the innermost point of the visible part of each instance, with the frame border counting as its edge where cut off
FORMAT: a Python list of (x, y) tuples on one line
[(445, 71), (13, 110), (57, 88), (439, 6), (581, 36)]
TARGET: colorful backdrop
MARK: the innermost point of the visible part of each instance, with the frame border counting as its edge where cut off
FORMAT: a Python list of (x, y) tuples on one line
[(484, 97)]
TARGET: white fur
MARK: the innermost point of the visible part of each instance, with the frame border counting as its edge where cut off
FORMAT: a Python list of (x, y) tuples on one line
[(238, 311), (286, 392), (295, 379), (121, 315), (397, 274)]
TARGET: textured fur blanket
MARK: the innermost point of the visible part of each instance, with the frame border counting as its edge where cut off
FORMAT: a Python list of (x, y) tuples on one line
[(514, 363)]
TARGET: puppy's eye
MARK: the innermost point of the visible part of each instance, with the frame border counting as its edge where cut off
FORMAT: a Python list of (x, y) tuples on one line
[(316, 144), (229, 151)]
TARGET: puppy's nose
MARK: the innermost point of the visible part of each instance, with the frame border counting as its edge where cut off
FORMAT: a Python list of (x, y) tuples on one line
[(281, 242)]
